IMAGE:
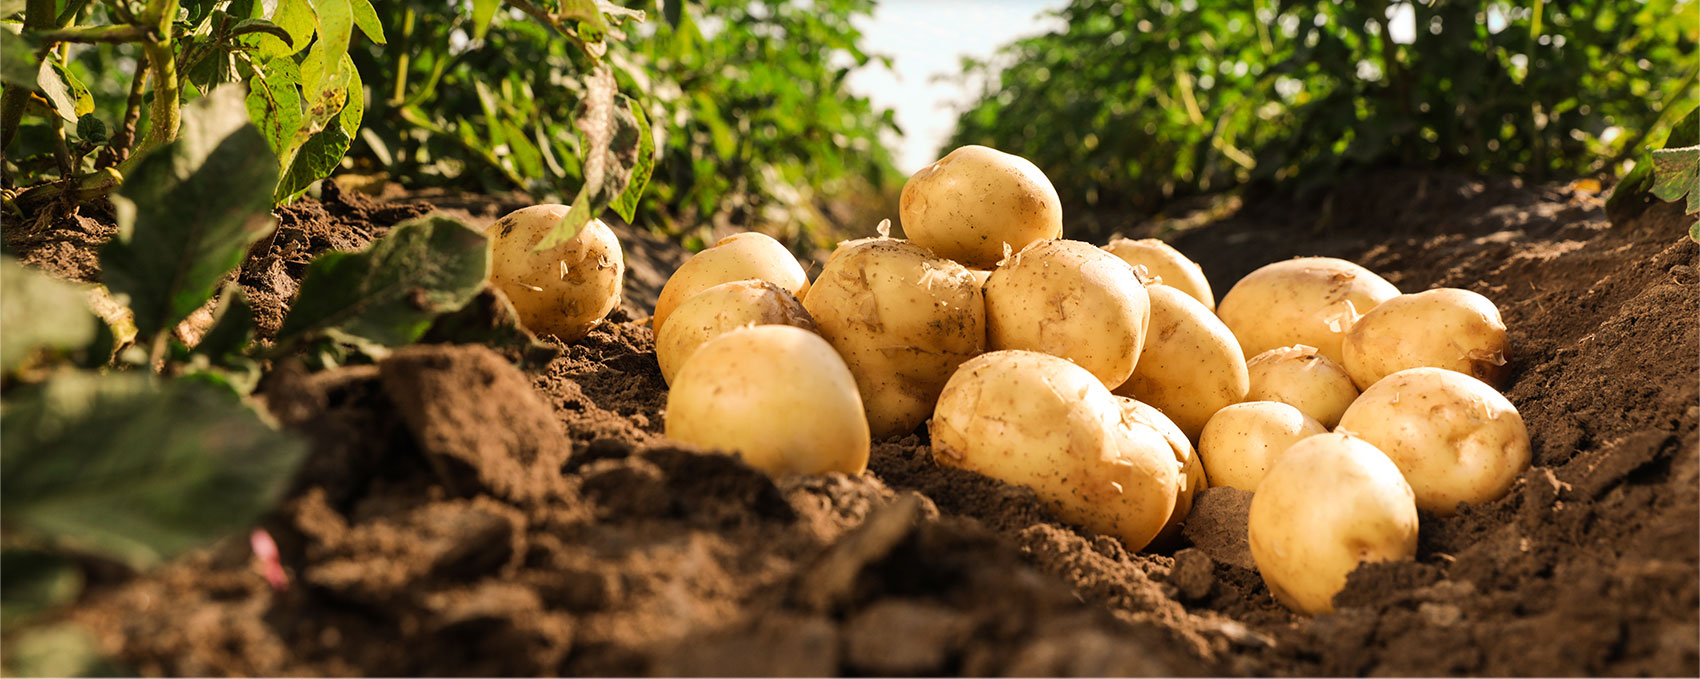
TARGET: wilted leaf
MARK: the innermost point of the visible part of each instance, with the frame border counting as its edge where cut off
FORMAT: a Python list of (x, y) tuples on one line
[(112, 464), (296, 19), (324, 83), (1676, 173), (483, 12), (626, 204), (367, 19), (609, 143), (189, 211), (390, 293), (32, 581), (38, 312), (251, 26), (489, 319)]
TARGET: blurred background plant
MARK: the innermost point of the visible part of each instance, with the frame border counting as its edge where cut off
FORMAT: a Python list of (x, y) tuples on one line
[(1135, 104)]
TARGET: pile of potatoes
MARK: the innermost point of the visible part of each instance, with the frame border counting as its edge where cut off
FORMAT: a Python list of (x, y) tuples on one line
[(1109, 380)]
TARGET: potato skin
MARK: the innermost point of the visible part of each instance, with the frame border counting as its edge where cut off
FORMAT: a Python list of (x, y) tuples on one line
[(1300, 377), (1440, 328), (740, 393), (1455, 438), (563, 291), (1309, 300), (967, 205), (717, 310), (1070, 299), (1193, 479), (1332, 502), (735, 258), (1039, 421), (1190, 366), (1243, 441), (1167, 265), (903, 320)]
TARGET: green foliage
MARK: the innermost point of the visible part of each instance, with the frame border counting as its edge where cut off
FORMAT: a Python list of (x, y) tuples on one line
[(39, 313), (1134, 103)]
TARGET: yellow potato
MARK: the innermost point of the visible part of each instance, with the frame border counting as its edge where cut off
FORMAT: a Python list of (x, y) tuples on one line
[(1190, 366), (1163, 262), (1332, 502), (1193, 479), (563, 291), (980, 276), (903, 320), (1070, 299), (976, 200), (1455, 438), (1039, 421), (741, 392), (1243, 441), (735, 258), (719, 309), (1441, 328), (1310, 300), (1304, 379)]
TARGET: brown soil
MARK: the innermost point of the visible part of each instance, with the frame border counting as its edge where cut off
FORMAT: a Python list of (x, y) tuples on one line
[(461, 517)]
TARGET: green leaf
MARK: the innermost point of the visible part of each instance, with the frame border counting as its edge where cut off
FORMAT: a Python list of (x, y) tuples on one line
[(627, 202), (1676, 173), (274, 104), (355, 109), (367, 19), (390, 293), (673, 11), (39, 312), (232, 329), (296, 18), (113, 465), (60, 93), (33, 581), (315, 160), (587, 14), (189, 211), (324, 83), (253, 26), (483, 12), (91, 128)]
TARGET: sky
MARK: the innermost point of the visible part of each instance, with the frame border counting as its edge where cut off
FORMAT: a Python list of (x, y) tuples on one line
[(926, 38)]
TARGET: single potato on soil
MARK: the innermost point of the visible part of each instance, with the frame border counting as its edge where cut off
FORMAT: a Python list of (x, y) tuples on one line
[(1070, 299), (735, 258), (1455, 438), (1243, 441), (1333, 502), (1309, 300), (1039, 421), (1441, 328), (562, 291), (1193, 478), (1163, 262), (741, 392), (719, 309), (1302, 378), (1190, 366), (903, 319), (975, 201)]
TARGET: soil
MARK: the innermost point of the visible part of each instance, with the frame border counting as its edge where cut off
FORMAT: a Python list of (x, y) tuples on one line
[(461, 516)]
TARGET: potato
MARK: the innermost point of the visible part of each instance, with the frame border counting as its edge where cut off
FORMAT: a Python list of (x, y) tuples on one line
[(1441, 328), (1243, 441), (1070, 299), (741, 392), (1303, 379), (713, 312), (563, 291), (735, 258), (980, 276), (1310, 300), (1191, 366), (1455, 438), (1163, 262), (1039, 421), (1332, 502), (903, 320), (968, 205), (1193, 479)]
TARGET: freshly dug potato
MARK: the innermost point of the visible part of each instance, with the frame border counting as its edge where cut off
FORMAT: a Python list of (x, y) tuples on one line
[(1332, 502), (735, 258), (1191, 366), (1243, 441), (1303, 379), (741, 393), (1310, 300), (903, 320), (1455, 438), (1070, 299), (1039, 421), (1441, 328), (1167, 264), (719, 309), (1193, 478), (563, 291), (969, 204)]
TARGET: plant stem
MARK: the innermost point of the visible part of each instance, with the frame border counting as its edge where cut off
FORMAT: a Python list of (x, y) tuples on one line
[(61, 149), (39, 15), (119, 148), (403, 59), (167, 91), (95, 34)]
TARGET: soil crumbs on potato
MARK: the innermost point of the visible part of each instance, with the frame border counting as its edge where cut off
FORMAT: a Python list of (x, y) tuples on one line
[(461, 517)]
